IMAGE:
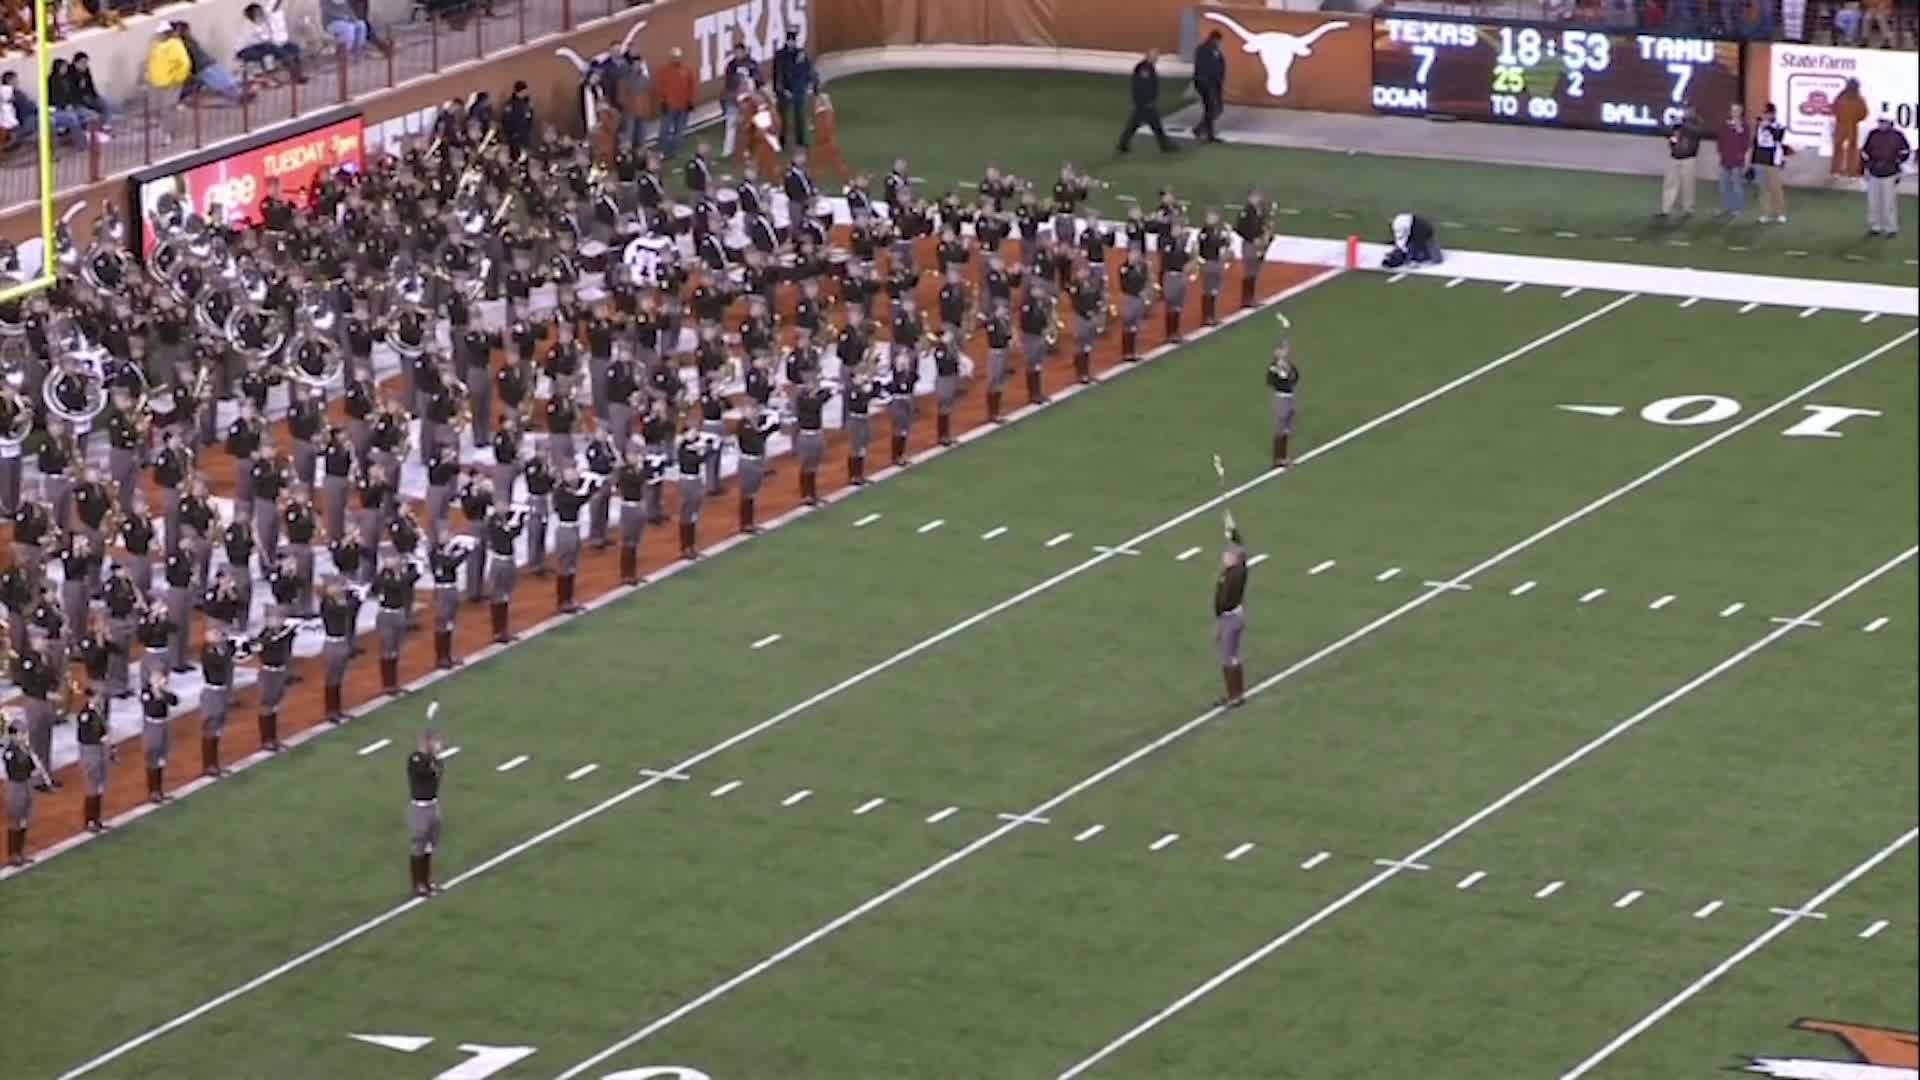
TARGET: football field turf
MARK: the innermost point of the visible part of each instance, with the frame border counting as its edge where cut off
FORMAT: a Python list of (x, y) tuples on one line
[(1557, 713)]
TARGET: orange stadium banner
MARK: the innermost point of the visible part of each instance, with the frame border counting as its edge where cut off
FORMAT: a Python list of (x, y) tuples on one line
[(1293, 59)]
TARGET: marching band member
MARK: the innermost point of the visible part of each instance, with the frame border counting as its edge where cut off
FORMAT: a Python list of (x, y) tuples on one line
[(1174, 253), (216, 670), (274, 646), (1136, 280), (945, 352), (156, 734), (630, 488), (1283, 378), (504, 526), (904, 379), (810, 400), (1089, 301), (690, 452), (443, 566), (570, 497), (476, 505), (19, 764), (90, 735), (1254, 227), (393, 588), (602, 460), (1212, 244), (1036, 322), (339, 613)]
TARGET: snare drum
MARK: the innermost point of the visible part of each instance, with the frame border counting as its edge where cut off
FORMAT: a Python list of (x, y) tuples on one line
[(727, 201), (594, 257), (838, 259)]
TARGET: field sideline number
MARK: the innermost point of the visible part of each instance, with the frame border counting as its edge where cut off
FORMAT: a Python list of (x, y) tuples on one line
[(1690, 410), (485, 1060)]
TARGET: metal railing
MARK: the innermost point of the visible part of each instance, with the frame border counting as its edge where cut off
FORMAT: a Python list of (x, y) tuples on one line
[(155, 126)]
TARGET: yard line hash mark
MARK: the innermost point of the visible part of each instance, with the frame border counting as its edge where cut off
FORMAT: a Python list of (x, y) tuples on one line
[(1088, 833), (511, 763), (1514, 287), (1874, 626), (1706, 910), (1794, 621), (1164, 842), (1810, 313), (1522, 589), (866, 521), (1869, 317), (1797, 913), (1471, 880), (1316, 860), (1662, 602), (449, 752), (1456, 282), (1873, 929), (1732, 609), (1565, 235), (1689, 301), (765, 641), (1060, 539), (374, 747), (723, 789), (1236, 853), (583, 770), (1323, 567), (1790, 918), (1591, 595), (1388, 574), (869, 806), (1025, 819), (930, 526), (1187, 554), (997, 530), (1549, 889), (1258, 559), (941, 815), (1749, 306), (1627, 900), (1571, 293), (797, 797), (546, 835), (1397, 278)]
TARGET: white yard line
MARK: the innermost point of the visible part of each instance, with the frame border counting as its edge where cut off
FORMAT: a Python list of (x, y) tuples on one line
[(1628, 899), (1748, 306), (996, 531), (511, 763), (942, 814), (869, 806), (1468, 823), (987, 839), (1164, 842), (546, 835), (1388, 574), (1088, 833), (1873, 929), (765, 641), (374, 747), (725, 789), (1787, 922), (584, 770), (1514, 286), (1689, 301)]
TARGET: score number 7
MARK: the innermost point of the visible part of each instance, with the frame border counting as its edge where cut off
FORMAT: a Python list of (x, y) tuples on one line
[(1426, 53), (1682, 75)]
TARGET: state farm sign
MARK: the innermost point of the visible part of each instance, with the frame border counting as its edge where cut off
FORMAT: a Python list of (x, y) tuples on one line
[(1803, 81)]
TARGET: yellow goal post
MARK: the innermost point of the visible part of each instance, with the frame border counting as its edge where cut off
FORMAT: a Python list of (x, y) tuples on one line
[(43, 138)]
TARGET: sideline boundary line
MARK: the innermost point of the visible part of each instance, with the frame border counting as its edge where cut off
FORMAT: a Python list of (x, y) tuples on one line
[(1048, 806), (1786, 923), (354, 933)]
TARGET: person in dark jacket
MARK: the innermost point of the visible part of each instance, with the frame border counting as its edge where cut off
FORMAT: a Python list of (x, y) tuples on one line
[(794, 82), (1210, 82), (1146, 104), (516, 119)]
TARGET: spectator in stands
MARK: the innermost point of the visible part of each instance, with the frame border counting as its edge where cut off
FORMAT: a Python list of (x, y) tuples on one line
[(673, 89), (1846, 24), (1884, 154), (1679, 184), (1753, 19), (1793, 20), (1849, 112), (1734, 136), (82, 89), (208, 73), (346, 26), (69, 115), (267, 39), (1879, 21), (630, 83), (25, 120), (517, 121)]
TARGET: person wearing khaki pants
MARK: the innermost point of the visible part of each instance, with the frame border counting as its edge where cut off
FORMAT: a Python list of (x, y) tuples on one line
[(1678, 184), (1769, 161), (1884, 154)]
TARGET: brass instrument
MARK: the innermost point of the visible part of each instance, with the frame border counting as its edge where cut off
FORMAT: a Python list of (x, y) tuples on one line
[(18, 420), (411, 330), (313, 355), (76, 391)]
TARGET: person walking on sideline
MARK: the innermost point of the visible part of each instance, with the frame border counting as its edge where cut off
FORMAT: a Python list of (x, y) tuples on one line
[(1210, 82), (1883, 155), (1681, 180), (1146, 104), (1770, 152), (1849, 112), (673, 91), (1733, 137)]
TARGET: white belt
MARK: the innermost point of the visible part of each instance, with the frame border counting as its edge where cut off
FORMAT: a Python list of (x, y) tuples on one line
[(426, 802), (1283, 393), (1236, 610)]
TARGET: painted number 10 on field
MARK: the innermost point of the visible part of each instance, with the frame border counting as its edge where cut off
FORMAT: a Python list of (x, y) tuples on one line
[(483, 1060)]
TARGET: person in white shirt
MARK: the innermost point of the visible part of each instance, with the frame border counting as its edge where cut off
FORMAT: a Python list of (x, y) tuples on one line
[(267, 39)]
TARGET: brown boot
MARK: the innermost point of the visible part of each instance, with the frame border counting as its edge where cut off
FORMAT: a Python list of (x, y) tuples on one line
[(210, 755), (501, 616), (1083, 366), (566, 594), (1235, 678), (1207, 306), (1173, 324), (993, 407), (416, 875), (1280, 452), (270, 731), (857, 470), (1129, 346), (155, 793), (1246, 292), (330, 694), (1035, 395), (17, 847), (943, 429), (630, 563), (389, 675), (900, 448), (90, 813), (427, 887), (689, 535)]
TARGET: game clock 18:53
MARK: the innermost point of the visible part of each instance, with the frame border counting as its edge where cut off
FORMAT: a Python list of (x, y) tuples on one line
[(1550, 74)]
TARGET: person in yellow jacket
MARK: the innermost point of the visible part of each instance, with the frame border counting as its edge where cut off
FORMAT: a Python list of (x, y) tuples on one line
[(169, 66)]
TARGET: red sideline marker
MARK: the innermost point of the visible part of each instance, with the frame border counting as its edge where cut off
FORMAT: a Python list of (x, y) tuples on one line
[(1353, 251)]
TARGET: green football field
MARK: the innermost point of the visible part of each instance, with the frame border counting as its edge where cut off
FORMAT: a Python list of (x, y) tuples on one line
[(1556, 713)]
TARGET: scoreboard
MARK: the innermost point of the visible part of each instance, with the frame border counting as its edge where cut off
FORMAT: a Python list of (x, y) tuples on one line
[(1549, 74)]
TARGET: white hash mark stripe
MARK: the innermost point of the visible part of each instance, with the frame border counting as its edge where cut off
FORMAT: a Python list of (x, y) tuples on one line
[(1258, 559), (1088, 833), (797, 797), (1627, 900), (1539, 779), (511, 763), (584, 770), (723, 789), (997, 530), (1514, 286), (1471, 880), (931, 525), (546, 835), (941, 815), (1739, 956), (866, 521), (1662, 602), (1397, 278), (1549, 889), (1874, 626), (1323, 567), (1869, 316), (1456, 282), (1689, 301), (374, 747), (449, 752), (1187, 554), (1571, 293), (1164, 842), (1316, 859), (1236, 853), (1388, 574), (766, 641), (1707, 909), (1522, 589), (1749, 306), (1591, 595), (1732, 609), (1060, 539), (869, 806), (1873, 929)]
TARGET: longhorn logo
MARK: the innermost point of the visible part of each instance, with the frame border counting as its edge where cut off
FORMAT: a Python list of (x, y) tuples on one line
[(1277, 51), (1878, 1054)]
